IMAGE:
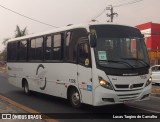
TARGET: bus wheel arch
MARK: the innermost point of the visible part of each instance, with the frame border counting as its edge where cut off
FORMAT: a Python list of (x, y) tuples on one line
[(74, 96), (25, 86)]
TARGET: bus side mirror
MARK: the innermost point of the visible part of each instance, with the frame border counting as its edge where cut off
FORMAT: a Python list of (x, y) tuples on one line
[(93, 40)]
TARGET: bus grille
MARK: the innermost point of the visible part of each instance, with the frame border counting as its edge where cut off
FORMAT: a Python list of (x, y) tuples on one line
[(137, 85), (126, 86)]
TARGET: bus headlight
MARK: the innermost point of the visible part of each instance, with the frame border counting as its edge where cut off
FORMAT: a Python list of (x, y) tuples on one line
[(105, 83), (148, 81)]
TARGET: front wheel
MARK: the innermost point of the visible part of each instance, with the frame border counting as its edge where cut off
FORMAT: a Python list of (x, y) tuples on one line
[(75, 98), (26, 88)]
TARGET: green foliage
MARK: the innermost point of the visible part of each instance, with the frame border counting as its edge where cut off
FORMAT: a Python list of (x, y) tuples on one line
[(5, 41), (3, 55), (19, 32)]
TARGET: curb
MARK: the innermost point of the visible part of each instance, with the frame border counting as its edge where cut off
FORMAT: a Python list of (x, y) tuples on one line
[(27, 109)]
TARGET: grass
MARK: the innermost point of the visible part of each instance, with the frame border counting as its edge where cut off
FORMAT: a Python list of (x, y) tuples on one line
[(2, 69), (156, 90)]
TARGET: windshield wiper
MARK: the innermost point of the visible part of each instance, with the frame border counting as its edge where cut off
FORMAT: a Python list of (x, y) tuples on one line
[(136, 59), (122, 62)]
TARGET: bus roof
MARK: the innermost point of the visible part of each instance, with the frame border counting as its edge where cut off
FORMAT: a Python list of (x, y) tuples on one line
[(61, 29)]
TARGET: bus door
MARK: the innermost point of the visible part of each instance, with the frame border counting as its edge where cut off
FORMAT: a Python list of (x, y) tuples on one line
[(84, 72)]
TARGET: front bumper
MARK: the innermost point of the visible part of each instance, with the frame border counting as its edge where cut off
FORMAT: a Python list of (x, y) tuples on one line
[(103, 96)]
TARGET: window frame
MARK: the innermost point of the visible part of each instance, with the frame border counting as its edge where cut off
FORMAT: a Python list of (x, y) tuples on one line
[(9, 58), (74, 46), (29, 52), (83, 41), (52, 47), (45, 44), (19, 51)]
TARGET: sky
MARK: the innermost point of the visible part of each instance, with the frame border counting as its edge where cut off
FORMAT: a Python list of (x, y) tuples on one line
[(60, 13)]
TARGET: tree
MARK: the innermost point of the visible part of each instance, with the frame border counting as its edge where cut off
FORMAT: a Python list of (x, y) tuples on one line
[(5, 41), (19, 32), (3, 54)]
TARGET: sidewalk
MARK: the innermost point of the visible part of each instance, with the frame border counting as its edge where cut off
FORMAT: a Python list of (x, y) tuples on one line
[(9, 108)]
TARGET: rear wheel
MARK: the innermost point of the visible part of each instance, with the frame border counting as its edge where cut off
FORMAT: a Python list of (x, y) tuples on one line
[(75, 98), (26, 88)]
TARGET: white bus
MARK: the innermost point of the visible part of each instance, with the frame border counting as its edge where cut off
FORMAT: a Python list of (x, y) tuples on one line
[(95, 64)]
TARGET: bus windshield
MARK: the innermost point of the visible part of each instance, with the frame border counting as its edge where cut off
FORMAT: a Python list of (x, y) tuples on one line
[(122, 50)]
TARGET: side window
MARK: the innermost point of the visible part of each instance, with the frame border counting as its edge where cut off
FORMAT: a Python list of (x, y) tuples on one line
[(68, 38), (36, 49), (84, 54), (12, 51), (48, 49), (9, 46), (71, 40), (158, 69), (57, 41), (67, 44), (32, 52), (39, 48), (23, 50), (153, 68)]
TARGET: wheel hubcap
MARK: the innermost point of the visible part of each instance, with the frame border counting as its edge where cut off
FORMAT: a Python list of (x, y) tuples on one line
[(75, 98), (26, 88)]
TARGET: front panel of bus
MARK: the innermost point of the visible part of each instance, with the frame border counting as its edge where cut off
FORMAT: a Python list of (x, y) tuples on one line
[(120, 65)]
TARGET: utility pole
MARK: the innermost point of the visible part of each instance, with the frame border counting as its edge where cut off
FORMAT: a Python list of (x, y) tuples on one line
[(112, 14)]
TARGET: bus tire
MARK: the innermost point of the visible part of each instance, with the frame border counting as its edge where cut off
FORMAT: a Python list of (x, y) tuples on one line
[(26, 88), (75, 98)]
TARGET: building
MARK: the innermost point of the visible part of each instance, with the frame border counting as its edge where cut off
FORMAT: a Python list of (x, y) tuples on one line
[(151, 33)]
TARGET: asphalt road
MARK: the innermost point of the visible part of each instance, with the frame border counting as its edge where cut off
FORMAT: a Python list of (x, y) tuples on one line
[(49, 104)]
